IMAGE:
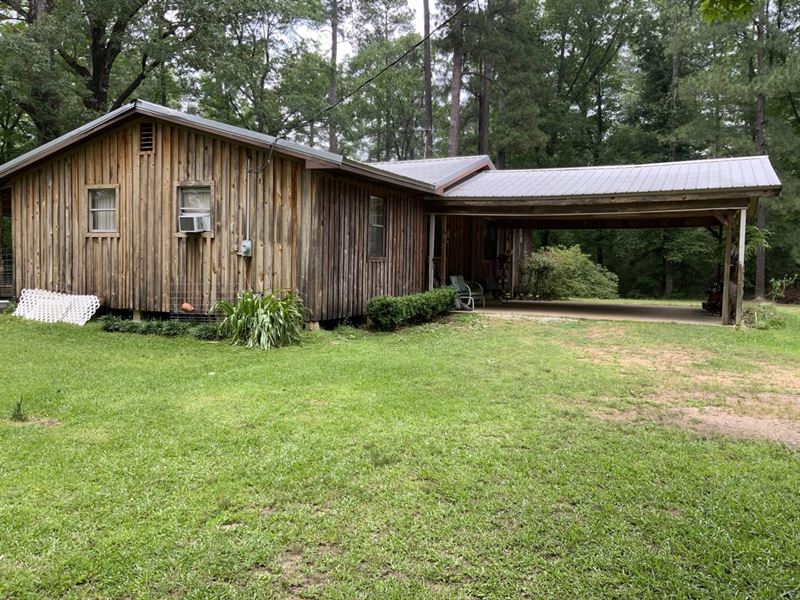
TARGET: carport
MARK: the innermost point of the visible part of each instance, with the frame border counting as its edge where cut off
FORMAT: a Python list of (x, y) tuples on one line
[(503, 207)]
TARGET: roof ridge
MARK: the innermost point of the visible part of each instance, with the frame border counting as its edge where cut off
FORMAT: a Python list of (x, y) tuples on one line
[(634, 166), (418, 160)]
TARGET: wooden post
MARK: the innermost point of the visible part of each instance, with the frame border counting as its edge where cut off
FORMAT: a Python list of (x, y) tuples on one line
[(740, 266), (431, 249), (443, 267), (513, 261), (726, 277)]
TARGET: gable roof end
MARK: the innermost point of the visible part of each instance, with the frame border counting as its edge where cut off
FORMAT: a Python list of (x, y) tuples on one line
[(319, 158), (441, 173)]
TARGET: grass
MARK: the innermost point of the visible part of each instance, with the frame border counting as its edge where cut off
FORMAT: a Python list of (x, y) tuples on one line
[(473, 458)]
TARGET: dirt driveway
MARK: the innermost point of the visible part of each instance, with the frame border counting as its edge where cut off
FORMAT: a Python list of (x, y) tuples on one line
[(602, 311)]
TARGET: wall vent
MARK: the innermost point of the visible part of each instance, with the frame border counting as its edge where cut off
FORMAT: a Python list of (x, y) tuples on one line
[(145, 137)]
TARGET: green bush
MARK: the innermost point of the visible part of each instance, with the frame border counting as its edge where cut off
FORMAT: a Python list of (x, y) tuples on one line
[(390, 312), (558, 273), (10, 308), (207, 332), (263, 320), (149, 327), (763, 315), (169, 328)]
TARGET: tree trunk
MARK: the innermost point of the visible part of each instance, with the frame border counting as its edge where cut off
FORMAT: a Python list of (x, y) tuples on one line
[(761, 143), (428, 86), (333, 144), (600, 127), (454, 131), (666, 238), (483, 108), (500, 162), (673, 104)]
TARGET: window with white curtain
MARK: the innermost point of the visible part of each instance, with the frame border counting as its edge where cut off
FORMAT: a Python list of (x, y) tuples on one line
[(103, 210), (194, 201)]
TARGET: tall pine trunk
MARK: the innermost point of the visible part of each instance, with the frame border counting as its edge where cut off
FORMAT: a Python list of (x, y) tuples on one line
[(454, 130), (673, 104), (761, 142), (333, 145), (483, 108), (428, 91)]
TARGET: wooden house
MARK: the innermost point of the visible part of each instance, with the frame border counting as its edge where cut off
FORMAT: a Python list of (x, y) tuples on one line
[(153, 209)]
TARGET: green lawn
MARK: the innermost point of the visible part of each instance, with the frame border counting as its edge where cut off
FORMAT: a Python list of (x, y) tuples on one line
[(474, 458)]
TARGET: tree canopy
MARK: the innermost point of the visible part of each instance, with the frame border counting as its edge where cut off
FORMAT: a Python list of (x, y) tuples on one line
[(533, 83)]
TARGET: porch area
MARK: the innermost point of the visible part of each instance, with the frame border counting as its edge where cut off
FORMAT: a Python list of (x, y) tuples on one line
[(482, 228)]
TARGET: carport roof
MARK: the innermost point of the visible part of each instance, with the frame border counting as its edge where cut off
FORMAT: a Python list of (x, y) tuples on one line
[(739, 176)]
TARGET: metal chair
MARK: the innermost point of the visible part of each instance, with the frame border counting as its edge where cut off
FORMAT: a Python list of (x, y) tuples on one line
[(467, 291)]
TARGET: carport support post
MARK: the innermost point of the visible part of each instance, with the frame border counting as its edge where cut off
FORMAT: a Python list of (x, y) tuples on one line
[(740, 266), (726, 274), (431, 250)]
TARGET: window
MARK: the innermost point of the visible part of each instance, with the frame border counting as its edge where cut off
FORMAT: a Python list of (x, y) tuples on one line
[(377, 228), (194, 201), (103, 210), (489, 242), (145, 137), (194, 208)]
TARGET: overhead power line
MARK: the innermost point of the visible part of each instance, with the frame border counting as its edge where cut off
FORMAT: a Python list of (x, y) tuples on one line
[(365, 83)]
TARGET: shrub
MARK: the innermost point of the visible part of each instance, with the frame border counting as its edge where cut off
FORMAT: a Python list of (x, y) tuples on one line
[(148, 327), (763, 315), (174, 328), (9, 308), (207, 332), (263, 320), (17, 413), (390, 312), (111, 323), (785, 289), (170, 328), (558, 273)]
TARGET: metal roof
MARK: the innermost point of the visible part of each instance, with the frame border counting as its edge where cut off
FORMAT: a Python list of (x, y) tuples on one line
[(321, 158), (719, 174), (467, 177), (438, 172)]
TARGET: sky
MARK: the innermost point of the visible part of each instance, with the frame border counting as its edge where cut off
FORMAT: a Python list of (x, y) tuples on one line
[(323, 36)]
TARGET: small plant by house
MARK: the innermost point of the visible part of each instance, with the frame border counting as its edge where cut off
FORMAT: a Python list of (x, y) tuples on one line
[(762, 315), (388, 313), (170, 328), (559, 273), (264, 321), (17, 412)]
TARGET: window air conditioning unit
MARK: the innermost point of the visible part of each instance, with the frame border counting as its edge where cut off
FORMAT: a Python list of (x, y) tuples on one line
[(194, 223)]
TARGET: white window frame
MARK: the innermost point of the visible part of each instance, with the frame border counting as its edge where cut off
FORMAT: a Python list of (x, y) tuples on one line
[(179, 212), (90, 231)]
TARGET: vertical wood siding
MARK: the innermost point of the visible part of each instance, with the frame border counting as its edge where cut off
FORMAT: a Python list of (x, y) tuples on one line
[(464, 239), (308, 228), (347, 277)]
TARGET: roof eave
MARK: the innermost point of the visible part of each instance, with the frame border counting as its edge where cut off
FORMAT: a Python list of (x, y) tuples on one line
[(750, 192), (359, 168)]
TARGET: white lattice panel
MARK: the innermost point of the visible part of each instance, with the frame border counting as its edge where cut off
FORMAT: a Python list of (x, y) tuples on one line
[(52, 307)]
